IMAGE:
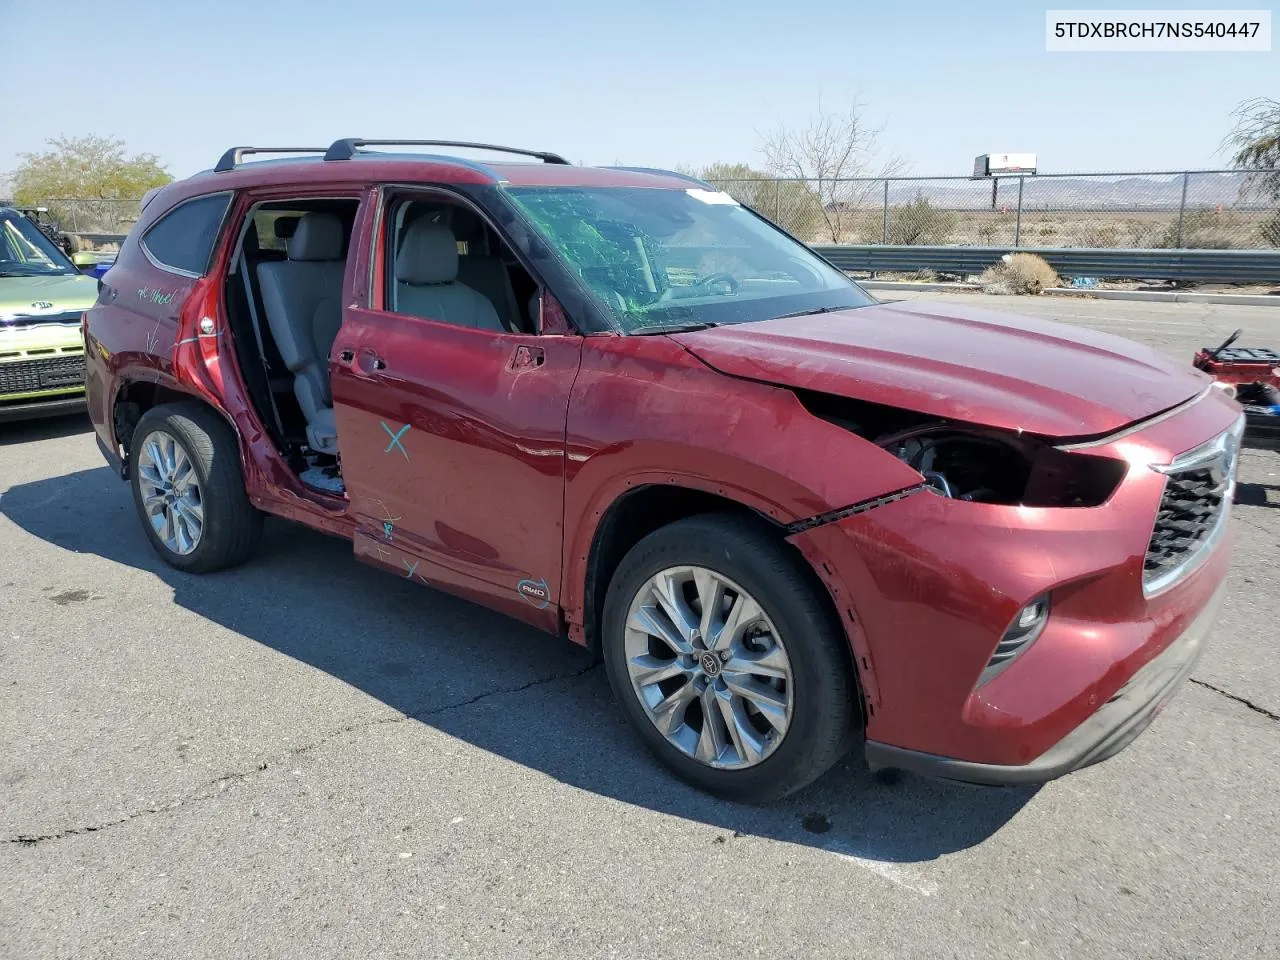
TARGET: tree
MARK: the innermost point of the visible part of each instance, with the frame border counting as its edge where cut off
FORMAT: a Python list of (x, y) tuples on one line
[(86, 168), (835, 154), (919, 222), (1256, 139), (83, 169)]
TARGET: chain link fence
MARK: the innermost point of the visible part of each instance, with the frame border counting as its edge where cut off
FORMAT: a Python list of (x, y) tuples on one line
[(1198, 209), (91, 216)]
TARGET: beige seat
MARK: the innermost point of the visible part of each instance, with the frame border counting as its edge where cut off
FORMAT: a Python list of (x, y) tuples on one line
[(427, 280), (302, 298)]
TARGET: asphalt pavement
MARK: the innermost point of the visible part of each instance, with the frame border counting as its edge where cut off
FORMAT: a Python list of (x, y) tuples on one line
[(308, 758)]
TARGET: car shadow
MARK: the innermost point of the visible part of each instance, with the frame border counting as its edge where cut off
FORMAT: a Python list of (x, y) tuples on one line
[(440, 660), (1258, 494), (44, 428)]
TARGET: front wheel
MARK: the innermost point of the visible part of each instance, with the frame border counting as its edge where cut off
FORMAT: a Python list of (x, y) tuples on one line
[(725, 660), (184, 468)]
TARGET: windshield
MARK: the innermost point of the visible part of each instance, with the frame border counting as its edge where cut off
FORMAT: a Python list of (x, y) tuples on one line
[(662, 257), (26, 252)]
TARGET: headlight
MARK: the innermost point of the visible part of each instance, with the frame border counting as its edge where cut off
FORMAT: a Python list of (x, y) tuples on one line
[(1228, 388), (993, 466), (1032, 614)]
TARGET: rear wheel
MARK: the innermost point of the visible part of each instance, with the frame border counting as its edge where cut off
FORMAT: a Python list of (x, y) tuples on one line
[(184, 468), (725, 660)]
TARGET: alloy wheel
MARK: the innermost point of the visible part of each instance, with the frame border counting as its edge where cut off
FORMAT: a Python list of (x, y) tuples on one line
[(709, 667), (170, 492)]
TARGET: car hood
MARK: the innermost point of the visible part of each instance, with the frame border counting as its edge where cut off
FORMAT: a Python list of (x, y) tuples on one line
[(959, 363), (25, 296)]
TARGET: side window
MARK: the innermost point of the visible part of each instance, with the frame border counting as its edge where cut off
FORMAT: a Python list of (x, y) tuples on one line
[(446, 263), (182, 240)]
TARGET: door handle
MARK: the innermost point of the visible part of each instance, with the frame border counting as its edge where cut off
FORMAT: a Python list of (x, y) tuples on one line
[(364, 362), (527, 357)]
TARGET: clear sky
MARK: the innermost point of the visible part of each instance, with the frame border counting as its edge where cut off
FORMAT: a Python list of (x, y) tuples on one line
[(659, 82)]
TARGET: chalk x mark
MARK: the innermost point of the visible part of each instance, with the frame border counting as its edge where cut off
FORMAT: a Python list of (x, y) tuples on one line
[(395, 439)]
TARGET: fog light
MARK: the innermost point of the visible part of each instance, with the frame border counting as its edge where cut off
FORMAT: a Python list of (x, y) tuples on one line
[(1031, 614), (1022, 632)]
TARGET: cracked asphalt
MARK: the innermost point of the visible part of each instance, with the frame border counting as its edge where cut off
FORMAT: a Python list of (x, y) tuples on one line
[(307, 758)]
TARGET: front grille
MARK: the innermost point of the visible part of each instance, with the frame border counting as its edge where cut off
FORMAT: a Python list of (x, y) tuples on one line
[(1188, 513), (23, 321), (1197, 495), (60, 371)]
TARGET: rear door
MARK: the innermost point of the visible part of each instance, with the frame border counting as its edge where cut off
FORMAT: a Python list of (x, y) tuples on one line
[(453, 442)]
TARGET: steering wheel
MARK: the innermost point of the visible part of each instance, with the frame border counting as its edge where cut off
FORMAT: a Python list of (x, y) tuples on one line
[(721, 277), (1213, 354)]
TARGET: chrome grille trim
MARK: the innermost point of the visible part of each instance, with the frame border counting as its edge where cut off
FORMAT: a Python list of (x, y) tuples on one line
[(1207, 476)]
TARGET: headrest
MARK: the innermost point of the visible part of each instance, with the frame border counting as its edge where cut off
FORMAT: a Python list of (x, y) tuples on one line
[(284, 227), (318, 237), (428, 254)]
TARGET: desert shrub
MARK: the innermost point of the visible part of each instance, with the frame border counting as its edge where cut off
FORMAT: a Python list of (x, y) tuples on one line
[(1019, 273), (798, 211), (1107, 236), (1202, 229), (919, 223), (859, 227), (1270, 229)]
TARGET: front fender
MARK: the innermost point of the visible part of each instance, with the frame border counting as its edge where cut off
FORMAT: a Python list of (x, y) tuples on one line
[(644, 411)]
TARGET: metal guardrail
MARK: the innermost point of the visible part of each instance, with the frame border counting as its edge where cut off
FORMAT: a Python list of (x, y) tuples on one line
[(1223, 266), (99, 237)]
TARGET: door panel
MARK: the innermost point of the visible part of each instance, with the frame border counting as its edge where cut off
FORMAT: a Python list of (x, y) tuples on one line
[(453, 454)]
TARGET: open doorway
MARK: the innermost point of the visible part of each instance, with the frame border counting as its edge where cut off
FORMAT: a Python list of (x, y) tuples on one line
[(284, 296)]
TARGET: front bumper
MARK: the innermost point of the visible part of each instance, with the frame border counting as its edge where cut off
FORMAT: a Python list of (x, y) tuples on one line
[(54, 406), (927, 586), (41, 371), (1115, 725)]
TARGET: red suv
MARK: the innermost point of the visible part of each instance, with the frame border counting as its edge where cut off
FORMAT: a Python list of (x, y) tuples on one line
[(617, 405)]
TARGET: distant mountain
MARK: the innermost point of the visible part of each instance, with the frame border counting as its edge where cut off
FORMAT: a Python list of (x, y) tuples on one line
[(1086, 193)]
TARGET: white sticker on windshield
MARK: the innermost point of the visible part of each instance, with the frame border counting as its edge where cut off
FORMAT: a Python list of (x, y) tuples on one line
[(712, 196)]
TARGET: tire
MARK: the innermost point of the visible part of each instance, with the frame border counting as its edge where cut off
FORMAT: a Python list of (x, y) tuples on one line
[(231, 526), (825, 715)]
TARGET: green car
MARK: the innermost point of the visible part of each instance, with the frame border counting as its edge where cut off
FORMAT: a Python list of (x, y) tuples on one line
[(42, 296)]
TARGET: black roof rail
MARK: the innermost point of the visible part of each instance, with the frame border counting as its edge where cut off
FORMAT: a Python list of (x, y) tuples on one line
[(348, 147), (231, 159)]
